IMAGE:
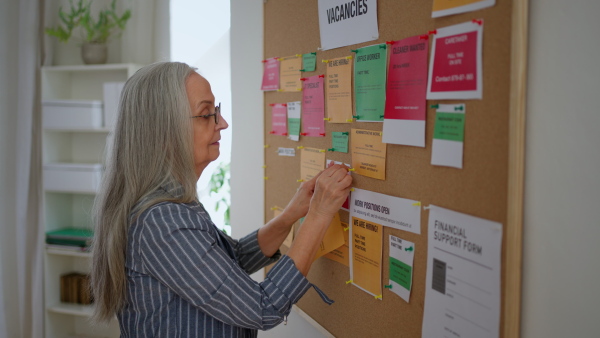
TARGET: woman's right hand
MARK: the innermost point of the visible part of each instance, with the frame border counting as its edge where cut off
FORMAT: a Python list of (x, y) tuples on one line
[(331, 190)]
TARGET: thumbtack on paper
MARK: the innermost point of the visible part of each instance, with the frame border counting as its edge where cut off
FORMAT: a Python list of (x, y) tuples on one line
[(349, 281), (383, 46), (263, 61), (388, 286), (302, 70), (322, 150), (272, 132), (322, 134), (273, 208), (266, 178), (417, 204), (427, 207), (350, 120), (325, 61), (434, 32), (351, 169), (479, 22), (314, 53), (459, 108), (331, 149), (271, 104), (303, 134), (298, 55), (424, 37), (390, 42), (300, 147), (284, 134), (322, 76), (266, 146), (354, 50), (351, 189), (435, 106), (327, 119), (349, 57), (379, 297), (303, 79), (264, 166), (356, 116), (280, 90), (345, 133), (299, 180), (299, 89), (346, 228), (381, 116), (284, 104)]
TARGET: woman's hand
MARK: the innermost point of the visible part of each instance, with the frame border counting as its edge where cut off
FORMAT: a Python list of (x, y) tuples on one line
[(298, 206), (331, 190)]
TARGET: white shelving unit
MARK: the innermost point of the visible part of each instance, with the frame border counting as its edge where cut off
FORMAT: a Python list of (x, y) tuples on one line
[(71, 206)]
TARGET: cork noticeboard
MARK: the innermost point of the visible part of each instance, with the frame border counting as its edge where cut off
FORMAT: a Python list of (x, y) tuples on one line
[(489, 186)]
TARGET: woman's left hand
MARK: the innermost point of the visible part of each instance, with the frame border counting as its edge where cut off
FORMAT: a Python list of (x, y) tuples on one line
[(298, 206)]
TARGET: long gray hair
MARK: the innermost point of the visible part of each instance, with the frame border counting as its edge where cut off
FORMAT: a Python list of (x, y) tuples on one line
[(152, 146)]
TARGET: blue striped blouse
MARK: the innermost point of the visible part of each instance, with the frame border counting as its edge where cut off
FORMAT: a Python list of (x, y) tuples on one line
[(185, 278)]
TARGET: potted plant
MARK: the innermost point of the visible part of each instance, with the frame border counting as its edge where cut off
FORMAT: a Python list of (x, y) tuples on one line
[(95, 31)]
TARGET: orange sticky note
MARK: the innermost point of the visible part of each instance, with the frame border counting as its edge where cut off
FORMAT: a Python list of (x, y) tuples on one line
[(289, 74), (334, 237), (368, 153), (338, 85), (340, 254), (312, 162)]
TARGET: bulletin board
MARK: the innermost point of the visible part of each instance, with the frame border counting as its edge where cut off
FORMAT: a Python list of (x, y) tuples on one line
[(489, 186)]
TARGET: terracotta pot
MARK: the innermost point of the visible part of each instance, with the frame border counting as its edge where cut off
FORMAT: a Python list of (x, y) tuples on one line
[(94, 53)]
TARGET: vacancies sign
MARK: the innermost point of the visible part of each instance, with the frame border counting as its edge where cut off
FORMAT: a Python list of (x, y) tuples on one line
[(347, 22)]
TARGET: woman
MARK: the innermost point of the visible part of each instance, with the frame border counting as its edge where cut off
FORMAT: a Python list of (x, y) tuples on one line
[(159, 263)]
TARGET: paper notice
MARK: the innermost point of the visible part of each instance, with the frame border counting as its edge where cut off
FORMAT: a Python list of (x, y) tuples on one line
[(366, 251), (270, 80), (312, 162), (289, 78), (339, 90), (405, 105), (449, 135), (313, 107), (368, 153), (455, 69), (402, 254), (369, 82), (462, 289)]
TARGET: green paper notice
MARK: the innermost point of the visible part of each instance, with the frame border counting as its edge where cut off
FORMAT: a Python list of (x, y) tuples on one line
[(339, 141), (309, 62), (449, 126), (369, 82), (400, 273), (293, 126)]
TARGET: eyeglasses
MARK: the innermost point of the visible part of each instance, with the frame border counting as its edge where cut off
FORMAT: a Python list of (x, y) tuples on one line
[(216, 114)]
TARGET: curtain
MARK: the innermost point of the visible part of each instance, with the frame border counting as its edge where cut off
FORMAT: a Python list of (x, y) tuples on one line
[(21, 277)]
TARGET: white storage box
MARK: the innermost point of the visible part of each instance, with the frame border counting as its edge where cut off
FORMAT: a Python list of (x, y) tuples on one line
[(71, 114), (72, 177)]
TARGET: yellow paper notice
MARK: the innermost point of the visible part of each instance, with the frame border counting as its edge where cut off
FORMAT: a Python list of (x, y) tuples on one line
[(367, 239), (289, 74), (340, 254), (339, 90), (334, 237), (368, 153), (440, 5), (312, 162), (290, 237)]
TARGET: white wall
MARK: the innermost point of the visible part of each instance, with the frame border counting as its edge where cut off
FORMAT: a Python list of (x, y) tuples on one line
[(562, 190), (8, 125)]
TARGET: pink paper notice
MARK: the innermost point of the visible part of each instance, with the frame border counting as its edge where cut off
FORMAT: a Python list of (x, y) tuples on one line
[(455, 68), (279, 119), (407, 80), (405, 105), (270, 79), (313, 106)]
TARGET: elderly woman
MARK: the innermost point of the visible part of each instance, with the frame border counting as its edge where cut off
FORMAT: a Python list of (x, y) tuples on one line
[(159, 263)]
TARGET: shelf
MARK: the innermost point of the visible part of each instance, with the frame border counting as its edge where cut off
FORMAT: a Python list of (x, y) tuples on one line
[(104, 67), (59, 252), (72, 309)]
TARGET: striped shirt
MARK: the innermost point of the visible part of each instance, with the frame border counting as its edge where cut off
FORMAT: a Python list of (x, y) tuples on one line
[(186, 278)]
